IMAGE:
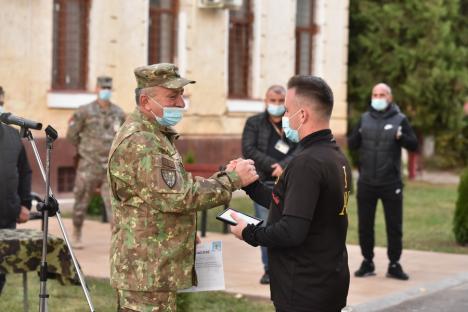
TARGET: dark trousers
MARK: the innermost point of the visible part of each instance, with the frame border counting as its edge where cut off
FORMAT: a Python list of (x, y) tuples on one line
[(2, 276), (392, 200)]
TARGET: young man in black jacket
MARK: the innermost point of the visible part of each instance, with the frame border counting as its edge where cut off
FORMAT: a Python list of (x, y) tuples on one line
[(307, 225), (264, 142), (379, 137), (15, 179)]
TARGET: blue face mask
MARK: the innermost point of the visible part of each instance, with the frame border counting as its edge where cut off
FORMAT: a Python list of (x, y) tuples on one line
[(291, 134), (275, 110), (105, 94), (379, 104), (171, 115)]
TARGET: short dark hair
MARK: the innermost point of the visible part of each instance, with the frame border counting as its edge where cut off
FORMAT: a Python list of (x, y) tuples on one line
[(315, 89)]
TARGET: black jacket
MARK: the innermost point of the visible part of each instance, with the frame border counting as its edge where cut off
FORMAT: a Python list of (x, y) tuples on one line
[(306, 230), (379, 150), (15, 176), (255, 138)]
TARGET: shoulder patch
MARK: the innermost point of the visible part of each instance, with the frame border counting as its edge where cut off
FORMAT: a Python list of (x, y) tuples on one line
[(169, 177)]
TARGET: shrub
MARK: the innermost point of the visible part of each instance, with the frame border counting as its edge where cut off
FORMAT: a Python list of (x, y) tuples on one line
[(460, 220), (96, 206)]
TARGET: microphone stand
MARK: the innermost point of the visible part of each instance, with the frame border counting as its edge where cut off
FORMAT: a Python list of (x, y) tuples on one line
[(49, 208)]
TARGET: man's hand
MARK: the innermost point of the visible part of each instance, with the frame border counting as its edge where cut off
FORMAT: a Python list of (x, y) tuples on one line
[(197, 239), (237, 229), (232, 164), (246, 170), (23, 216), (277, 170)]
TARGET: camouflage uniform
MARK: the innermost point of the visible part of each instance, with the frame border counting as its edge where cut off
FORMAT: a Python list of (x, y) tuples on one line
[(154, 201), (91, 130)]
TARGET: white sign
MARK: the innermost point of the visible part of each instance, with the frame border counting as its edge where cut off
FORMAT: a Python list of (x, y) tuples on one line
[(209, 267)]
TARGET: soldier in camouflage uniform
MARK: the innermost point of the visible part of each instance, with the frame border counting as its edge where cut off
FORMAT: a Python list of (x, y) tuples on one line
[(154, 200), (92, 129)]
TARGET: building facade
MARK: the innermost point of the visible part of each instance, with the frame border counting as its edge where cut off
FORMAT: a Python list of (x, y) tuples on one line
[(52, 52)]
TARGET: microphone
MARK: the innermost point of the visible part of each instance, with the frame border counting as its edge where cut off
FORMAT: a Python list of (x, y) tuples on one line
[(10, 119)]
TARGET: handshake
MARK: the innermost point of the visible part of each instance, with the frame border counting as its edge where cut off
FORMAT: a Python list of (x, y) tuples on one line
[(245, 169)]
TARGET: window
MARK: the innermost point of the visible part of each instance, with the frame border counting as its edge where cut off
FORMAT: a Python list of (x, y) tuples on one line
[(305, 30), (162, 32), (70, 44), (66, 179), (240, 37)]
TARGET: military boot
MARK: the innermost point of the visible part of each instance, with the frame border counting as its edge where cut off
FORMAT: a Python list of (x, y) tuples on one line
[(76, 243)]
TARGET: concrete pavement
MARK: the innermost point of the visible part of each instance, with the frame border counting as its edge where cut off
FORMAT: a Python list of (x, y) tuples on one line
[(243, 268)]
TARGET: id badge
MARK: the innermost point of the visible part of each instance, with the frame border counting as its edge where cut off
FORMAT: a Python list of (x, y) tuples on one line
[(282, 147)]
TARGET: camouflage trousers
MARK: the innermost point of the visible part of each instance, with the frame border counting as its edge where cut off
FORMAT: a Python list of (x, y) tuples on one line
[(142, 301), (89, 177)]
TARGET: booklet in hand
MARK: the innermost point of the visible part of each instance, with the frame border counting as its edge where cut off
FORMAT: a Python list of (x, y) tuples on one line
[(225, 216)]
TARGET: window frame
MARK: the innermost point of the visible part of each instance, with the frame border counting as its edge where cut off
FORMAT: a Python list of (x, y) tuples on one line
[(153, 51), (58, 82), (247, 68), (312, 29)]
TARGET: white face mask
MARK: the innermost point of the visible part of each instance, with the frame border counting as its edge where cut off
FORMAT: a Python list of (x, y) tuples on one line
[(379, 104), (2, 110)]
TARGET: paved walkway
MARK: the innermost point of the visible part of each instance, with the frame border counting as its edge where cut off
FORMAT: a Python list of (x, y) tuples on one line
[(243, 268)]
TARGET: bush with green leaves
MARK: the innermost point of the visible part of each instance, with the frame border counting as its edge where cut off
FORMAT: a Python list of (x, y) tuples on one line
[(460, 220), (419, 48), (96, 206)]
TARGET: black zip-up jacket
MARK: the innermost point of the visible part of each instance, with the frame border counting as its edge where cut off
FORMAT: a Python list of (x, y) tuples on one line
[(379, 149), (306, 230), (255, 138), (15, 176)]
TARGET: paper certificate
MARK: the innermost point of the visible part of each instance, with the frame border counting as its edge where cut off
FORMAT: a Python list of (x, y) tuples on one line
[(209, 267)]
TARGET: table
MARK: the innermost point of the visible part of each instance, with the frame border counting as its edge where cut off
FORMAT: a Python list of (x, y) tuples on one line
[(20, 252)]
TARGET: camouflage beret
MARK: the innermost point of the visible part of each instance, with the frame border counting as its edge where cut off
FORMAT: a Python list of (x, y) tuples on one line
[(104, 81), (163, 75)]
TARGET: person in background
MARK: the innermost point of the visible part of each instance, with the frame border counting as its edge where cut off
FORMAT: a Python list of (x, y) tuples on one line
[(263, 141), (15, 191), (91, 129), (378, 137)]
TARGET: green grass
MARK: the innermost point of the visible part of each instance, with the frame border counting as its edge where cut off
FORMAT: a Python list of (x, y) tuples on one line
[(427, 225), (71, 298)]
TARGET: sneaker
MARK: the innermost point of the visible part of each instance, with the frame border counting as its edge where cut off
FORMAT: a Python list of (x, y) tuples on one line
[(265, 280), (396, 271), (367, 268)]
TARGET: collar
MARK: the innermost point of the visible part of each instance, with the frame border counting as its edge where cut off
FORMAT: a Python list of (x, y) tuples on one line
[(324, 135)]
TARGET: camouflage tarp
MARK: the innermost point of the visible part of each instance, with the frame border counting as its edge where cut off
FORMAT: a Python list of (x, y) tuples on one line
[(20, 251)]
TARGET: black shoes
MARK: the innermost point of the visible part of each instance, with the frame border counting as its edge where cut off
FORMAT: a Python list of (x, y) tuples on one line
[(396, 271), (367, 268), (265, 280)]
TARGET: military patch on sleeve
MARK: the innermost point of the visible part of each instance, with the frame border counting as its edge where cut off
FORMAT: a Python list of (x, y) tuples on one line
[(169, 177)]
